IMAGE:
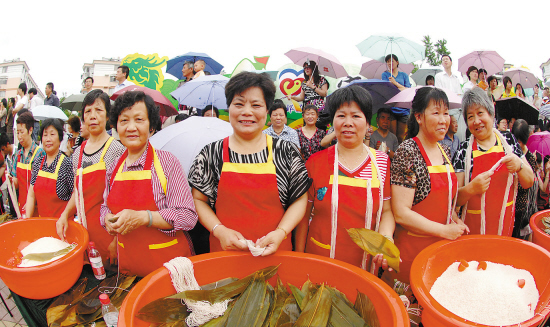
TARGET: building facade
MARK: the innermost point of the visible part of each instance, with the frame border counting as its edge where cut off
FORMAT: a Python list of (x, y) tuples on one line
[(12, 73), (103, 72), (546, 71)]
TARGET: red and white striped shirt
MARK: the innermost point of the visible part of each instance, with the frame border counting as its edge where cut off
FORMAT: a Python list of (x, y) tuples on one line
[(176, 206), (364, 171)]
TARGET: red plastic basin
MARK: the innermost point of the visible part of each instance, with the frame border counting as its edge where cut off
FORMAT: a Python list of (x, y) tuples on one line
[(436, 258), (295, 268), (44, 281), (539, 236)]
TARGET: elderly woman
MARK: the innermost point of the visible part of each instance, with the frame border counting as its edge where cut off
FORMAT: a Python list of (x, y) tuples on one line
[(349, 176), (52, 177), (210, 111), (488, 165), (424, 184), (314, 86), (309, 135), (279, 129), (89, 165), (147, 201), (249, 186)]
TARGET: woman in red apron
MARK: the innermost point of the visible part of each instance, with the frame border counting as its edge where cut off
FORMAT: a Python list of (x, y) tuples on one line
[(424, 184), (26, 157), (350, 185), (90, 161), (249, 186), (488, 167), (148, 204), (52, 177)]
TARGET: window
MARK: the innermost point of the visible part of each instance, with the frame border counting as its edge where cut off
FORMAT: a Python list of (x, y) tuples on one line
[(4, 69), (112, 79), (2, 94), (3, 80)]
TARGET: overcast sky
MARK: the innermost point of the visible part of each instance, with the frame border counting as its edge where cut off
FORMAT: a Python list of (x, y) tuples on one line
[(56, 38)]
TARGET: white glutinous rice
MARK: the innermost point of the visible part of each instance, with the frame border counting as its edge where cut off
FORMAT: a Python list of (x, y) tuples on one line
[(490, 297), (42, 245)]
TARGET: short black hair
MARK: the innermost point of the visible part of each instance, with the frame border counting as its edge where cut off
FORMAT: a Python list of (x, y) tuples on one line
[(33, 91), (310, 107), (277, 104), (125, 70), (210, 108), (89, 77), (471, 69), (5, 102), (245, 80), (50, 84), (56, 123), (74, 122), (93, 95), (420, 102), (23, 87), (127, 99), (500, 118), (520, 129), (181, 117), (4, 140), (12, 100), (347, 95), (383, 111), (26, 119), (490, 78), (482, 70), (506, 80), (446, 55), (429, 78), (394, 57)]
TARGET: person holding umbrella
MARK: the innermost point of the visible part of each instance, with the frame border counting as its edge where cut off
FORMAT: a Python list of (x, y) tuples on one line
[(350, 177), (472, 79), (423, 182), (314, 87), (89, 164), (402, 82), (488, 167), (249, 186), (482, 75), (150, 228), (52, 178)]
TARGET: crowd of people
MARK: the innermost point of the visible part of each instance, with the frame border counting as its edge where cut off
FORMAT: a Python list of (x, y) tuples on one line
[(276, 188)]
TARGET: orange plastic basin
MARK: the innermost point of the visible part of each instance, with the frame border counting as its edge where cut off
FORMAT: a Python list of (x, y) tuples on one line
[(44, 281), (436, 258), (295, 268), (539, 236)]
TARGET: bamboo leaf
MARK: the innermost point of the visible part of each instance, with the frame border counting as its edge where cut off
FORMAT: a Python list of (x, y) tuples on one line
[(60, 308), (250, 306), (317, 310), (366, 310), (163, 310), (289, 313), (375, 243), (218, 284), (298, 295), (342, 313)]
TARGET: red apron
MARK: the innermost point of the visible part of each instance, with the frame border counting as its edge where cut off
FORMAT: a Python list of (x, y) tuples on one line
[(494, 196), (434, 207), (248, 199), (145, 249), (93, 181), (47, 201), (23, 179), (352, 195)]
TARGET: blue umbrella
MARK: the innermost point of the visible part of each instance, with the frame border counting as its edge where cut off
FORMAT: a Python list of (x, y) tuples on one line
[(203, 91), (175, 65), (381, 91)]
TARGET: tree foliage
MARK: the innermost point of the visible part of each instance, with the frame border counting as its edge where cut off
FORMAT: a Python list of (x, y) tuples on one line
[(434, 52)]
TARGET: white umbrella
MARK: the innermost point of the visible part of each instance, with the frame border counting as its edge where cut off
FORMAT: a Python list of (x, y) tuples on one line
[(187, 138), (522, 76), (203, 91), (45, 112), (420, 75)]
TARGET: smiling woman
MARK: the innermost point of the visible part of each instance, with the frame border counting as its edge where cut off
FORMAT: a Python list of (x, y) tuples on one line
[(249, 185)]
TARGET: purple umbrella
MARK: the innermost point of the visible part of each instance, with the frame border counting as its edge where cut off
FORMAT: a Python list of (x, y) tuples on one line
[(374, 69), (539, 142), (491, 61), (404, 98), (522, 76), (328, 64)]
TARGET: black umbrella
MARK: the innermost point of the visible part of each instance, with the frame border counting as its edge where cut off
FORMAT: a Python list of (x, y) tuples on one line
[(517, 108)]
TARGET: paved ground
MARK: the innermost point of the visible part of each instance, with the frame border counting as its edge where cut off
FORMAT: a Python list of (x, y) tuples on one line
[(5, 319)]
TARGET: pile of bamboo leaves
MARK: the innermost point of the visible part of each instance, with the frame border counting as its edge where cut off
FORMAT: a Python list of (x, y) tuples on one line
[(254, 302)]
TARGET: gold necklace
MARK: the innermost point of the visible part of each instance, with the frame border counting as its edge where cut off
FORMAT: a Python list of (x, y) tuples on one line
[(340, 156)]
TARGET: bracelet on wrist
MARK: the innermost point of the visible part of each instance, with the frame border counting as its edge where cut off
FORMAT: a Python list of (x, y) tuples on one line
[(214, 228), (284, 231)]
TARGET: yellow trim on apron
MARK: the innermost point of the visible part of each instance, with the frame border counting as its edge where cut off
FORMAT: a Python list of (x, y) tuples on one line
[(319, 244), (143, 174), (101, 164), (163, 245), (28, 166), (358, 182), (478, 212), (42, 173), (254, 168), (494, 149), (121, 244)]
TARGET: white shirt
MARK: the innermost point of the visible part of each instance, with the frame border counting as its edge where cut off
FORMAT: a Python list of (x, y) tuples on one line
[(123, 85), (199, 74), (451, 83), (35, 102), (467, 86), (63, 145)]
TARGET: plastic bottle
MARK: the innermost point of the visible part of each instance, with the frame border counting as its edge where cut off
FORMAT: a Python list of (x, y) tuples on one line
[(110, 313), (95, 261)]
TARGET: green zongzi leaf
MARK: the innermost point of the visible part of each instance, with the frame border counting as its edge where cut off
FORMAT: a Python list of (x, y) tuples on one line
[(317, 310), (163, 310), (366, 310), (342, 313), (250, 308), (298, 295), (375, 243)]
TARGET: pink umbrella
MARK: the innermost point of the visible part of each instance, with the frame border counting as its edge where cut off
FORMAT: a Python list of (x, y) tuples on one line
[(374, 69), (166, 107), (491, 61), (539, 142), (328, 64), (404, 98), (522, 76)]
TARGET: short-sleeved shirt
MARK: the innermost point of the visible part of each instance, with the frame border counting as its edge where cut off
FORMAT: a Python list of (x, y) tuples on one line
[(20, 157), (452, 144), (290, 170), (312, 97), (460, 157), (64, 184), (391, 140), (288, 134), (451, 83), (309, 146), (123, 85), (409, 169), (115, 150), (53, 100), (401, 78), (505, 95)]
